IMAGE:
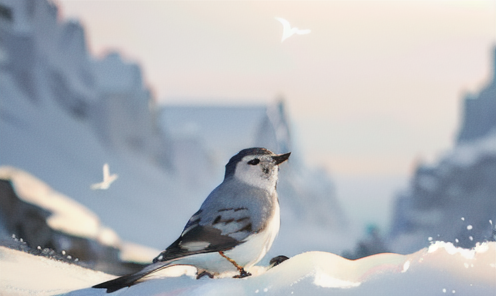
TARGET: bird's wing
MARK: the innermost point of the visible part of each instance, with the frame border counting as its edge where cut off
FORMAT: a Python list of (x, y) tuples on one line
[(235, 222), (229, 228), (195, 239), (96, 186), (106, 172), (285, 23), (286, 28), (112, 178)]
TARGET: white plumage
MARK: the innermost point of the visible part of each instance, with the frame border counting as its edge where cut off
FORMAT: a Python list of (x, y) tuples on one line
[(288, 31), (107, 179)]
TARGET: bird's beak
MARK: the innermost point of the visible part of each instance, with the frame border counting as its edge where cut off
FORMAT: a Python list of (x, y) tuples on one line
[(281, 158)]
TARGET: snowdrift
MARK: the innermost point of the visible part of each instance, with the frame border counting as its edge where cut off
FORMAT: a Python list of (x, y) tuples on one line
[(438, 270)]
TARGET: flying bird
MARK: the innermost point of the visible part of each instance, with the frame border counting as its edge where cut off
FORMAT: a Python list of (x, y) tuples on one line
[(107, 179), (234, 227), (288, 31)]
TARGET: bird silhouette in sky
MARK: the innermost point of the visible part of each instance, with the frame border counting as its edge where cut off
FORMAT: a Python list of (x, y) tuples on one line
[(107, 179), (288, 31)]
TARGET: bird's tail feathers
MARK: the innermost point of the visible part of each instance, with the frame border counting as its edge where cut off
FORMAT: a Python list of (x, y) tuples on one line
[(131, 279)]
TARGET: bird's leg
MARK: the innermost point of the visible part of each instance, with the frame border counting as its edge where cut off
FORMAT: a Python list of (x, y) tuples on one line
[(242, 272)]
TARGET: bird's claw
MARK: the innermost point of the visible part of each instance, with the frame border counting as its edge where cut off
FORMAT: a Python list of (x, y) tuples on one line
[(242, 274)]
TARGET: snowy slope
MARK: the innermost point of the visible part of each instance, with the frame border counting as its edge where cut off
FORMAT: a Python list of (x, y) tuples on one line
[(441, 269)]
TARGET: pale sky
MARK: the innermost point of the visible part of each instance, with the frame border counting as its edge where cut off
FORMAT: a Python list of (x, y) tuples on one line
[(374, 87)]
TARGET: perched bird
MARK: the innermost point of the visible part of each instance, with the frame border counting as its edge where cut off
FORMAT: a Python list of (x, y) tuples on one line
[(287, 31), (234, 227), (107, 179)]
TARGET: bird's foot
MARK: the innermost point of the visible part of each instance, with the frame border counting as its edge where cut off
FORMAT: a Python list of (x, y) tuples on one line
[(242, 274)]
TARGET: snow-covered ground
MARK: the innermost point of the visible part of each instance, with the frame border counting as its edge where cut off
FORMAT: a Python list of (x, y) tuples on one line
[(441, 269), (26, 274)]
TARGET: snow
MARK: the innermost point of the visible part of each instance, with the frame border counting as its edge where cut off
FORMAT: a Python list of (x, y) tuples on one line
[(468, 153), (440, 268), (35, 275)]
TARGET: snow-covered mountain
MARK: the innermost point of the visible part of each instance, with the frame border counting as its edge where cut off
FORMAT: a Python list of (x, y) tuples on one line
[(454, 200), (65, 113), (58, 120), (479, 116)]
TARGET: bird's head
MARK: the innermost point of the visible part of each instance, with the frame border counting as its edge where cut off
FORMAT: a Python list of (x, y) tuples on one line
[(256, 166)]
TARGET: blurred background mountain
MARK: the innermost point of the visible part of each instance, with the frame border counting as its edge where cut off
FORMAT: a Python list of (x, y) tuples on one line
[(454, 199)]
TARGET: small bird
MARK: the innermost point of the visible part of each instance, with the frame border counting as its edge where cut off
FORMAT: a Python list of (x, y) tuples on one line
[(107, 179), (234, 227), (287, 31)]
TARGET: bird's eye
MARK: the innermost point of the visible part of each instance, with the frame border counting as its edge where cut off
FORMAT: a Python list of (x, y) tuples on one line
[(254, 161)]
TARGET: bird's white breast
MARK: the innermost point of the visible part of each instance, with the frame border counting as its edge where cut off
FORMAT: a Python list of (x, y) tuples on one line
[(258, 244)]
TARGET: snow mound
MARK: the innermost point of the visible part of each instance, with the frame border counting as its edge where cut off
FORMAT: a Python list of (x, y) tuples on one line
[(440, 269), (36, 275)]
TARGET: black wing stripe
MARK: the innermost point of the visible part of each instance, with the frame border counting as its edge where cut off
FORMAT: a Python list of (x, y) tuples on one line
[(247, 228), (219, 220), (233, 209), (211, 235), (243, 219)]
